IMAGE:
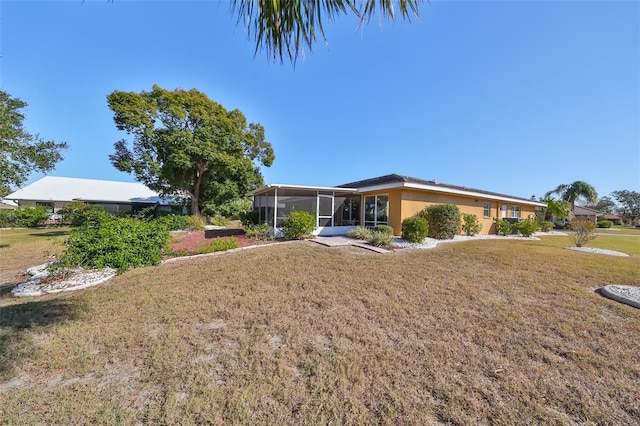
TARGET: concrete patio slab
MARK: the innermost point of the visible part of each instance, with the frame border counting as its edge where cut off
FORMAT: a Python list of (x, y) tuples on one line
[(338, 241)]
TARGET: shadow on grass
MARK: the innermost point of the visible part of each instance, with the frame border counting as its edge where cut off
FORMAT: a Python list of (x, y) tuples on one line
[(5, 245), (50, 234), (17, 322)]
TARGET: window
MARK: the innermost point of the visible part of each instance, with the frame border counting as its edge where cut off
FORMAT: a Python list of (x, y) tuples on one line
[(515, 211), (376, 210), (487, 210), (47, 206)]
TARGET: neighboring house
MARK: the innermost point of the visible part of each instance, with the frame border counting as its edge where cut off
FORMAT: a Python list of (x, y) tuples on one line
[(616, 219), (386, 200), (585, 213), (54, 193), (7, 205)]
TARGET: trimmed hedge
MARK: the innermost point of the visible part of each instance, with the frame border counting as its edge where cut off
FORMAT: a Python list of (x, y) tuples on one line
[(298, 225), (415, 229), (526, 227), (444, 220)]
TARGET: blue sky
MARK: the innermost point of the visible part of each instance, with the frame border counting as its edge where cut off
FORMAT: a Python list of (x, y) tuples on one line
[(511, 97)]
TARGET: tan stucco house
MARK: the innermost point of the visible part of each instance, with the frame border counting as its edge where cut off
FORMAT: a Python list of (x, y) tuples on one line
[(384, 200)]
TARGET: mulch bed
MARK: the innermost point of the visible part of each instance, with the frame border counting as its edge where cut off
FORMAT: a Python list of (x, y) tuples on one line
[(188, 242)]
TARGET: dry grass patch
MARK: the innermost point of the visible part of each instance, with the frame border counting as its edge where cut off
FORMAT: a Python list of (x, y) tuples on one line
[(484, 332)]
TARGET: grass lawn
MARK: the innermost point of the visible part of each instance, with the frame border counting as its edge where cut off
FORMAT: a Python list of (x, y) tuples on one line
[(482, 332)]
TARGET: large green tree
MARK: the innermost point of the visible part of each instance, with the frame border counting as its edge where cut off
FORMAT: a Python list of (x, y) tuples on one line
[(185, 143), (21, 152), (574, 191), (284, 27), (629, 202)]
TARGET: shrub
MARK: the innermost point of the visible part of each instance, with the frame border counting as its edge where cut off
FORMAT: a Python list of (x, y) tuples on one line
[(360, 233), (259, 232), (6, 218), (78, 213), (526, 227), (249, 218), (195, 223), (219, 244), (470, 224), (503, 226), (561, 225), (444, 220), (174, 222), (546, 226), (415, 229), (298, 225), (120, 243), (380, 239), (605, 224), (384, 228), (219, 221), (583, 231), (30, 217)]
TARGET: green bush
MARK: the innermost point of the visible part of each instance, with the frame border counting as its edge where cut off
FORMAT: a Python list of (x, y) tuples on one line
[(444, 220), (219, 244), (173, 222), (470, 224), (380, 239), (259, 232), (30, 217), (120, 243), (249, 218), (546, 226), (605, 224), (6, 218), (503, 226), (526, 227), (415, 229), (384, 228), (360, 233), (79, 213), (218, 221), (298, 225), (195, 223)]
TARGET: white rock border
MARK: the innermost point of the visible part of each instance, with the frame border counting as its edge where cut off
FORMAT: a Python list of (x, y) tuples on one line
[(627, 294), (78, 278), (598, 251)]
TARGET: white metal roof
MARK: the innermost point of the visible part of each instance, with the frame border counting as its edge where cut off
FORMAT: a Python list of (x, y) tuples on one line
[(52, 188)]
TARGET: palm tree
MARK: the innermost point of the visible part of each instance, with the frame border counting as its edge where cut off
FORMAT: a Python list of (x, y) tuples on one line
[(574, 191), (284, 27)]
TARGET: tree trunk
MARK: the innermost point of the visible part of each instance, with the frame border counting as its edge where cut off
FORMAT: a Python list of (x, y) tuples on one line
[(195, 196)]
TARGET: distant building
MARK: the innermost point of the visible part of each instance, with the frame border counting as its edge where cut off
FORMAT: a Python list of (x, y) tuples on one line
[(54, 193), (585, 213)]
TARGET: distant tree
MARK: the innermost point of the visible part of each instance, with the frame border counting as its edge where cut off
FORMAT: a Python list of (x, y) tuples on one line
[(559, 209), (284, 27), (574, 191), (629, 202), (604, 204), (22, 153), (183, 142)]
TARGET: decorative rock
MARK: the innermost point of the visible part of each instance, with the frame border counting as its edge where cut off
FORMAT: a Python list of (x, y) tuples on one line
[(626, 294), (72, 279)]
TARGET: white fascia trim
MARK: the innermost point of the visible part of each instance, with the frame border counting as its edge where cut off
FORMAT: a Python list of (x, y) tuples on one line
[(410, 185), (312, 188)]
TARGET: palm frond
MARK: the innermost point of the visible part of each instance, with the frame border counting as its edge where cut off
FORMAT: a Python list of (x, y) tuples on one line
[(284, 27)]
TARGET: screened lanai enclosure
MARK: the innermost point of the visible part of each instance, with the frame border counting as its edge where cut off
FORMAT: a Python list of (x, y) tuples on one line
[(336, 209)]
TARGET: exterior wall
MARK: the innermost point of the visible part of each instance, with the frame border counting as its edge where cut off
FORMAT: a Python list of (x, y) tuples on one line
[(395, 207), (414, 201)]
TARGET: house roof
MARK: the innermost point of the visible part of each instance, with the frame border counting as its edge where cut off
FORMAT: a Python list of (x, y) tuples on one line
[(52, 188), (400, 181), (585, 211)]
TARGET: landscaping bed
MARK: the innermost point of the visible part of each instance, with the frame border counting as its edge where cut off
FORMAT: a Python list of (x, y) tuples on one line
[(186, 243)]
